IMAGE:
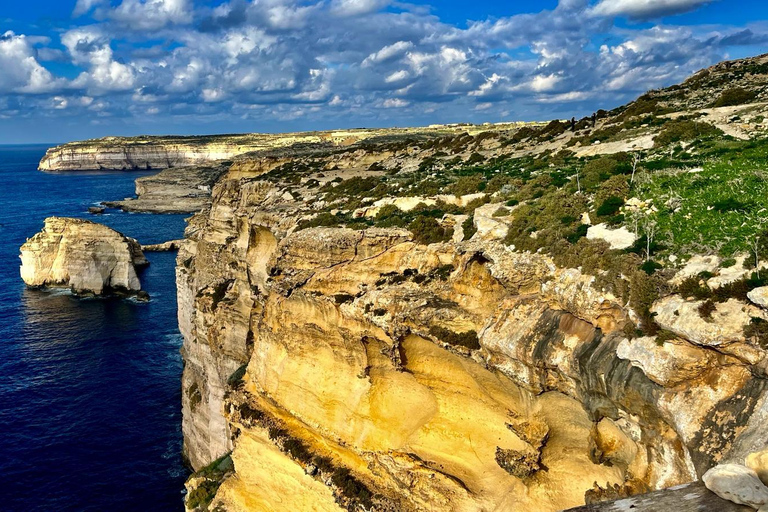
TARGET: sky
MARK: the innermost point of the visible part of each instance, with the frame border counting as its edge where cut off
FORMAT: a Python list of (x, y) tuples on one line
[(77, 69)]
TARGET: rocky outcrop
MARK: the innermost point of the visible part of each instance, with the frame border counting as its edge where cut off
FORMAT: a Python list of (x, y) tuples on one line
[(169, 246), (89, 258), (350, 368), (176, 190), (694, 497)]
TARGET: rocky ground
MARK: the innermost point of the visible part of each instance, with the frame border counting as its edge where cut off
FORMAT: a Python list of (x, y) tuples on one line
[(505, 317)]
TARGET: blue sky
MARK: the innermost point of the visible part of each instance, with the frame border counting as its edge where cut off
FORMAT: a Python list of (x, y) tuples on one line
[(74, 69)]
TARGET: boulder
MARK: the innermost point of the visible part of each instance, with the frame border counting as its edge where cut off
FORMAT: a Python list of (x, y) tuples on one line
[(759, 296), (620, 238), (89, 258), (758, 462), (738, 484), (668, 364)]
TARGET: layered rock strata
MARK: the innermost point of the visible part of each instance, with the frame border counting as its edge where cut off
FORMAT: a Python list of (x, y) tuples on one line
[(88, 258), (360, 369), (175, 190)]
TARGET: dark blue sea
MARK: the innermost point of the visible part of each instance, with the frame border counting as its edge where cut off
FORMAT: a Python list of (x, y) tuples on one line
[(90, 414)]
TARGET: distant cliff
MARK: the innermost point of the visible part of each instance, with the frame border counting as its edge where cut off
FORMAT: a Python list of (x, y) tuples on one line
[(126, 153)]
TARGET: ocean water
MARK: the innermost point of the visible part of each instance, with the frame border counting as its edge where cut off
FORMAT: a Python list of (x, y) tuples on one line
[(90, 400)]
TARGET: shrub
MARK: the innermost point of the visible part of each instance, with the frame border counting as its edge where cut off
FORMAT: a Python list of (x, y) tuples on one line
[(734, 96), (465, 339), (597, 171), (683, 130), (427, 230), (324, 219), (706, 309), (731, 205), (610, 206), (468, 226), (757, 330), (580, 232), (467, 185), (236, 379), (501, 212), (693, 287), (351, 488), (202, 495), (650, 266)]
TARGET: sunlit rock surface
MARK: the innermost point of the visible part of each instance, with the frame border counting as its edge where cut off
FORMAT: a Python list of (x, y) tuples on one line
[(87, 257)]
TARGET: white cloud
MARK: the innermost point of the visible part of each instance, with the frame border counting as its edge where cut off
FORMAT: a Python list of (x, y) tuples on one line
[(388, 52), (90, 48), (646, 9), (21, 71), (84, 6), (152, 14), (357, 7), (321, 60)]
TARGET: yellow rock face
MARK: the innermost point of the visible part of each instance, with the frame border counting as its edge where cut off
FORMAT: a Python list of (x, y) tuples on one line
[(462, 376)]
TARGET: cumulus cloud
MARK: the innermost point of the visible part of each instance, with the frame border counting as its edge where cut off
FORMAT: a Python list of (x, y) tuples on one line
[(646, 9), (21, 70), (90, 48), (151, 14), (85, 6), (357, 7), (350, 61)]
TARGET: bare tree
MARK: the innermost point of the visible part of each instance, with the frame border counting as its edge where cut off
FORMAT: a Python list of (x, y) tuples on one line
[(635, 161), (578, 181), (757, 241), (649, 227)]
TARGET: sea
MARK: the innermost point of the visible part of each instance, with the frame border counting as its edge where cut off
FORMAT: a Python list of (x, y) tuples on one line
[(90, 399)]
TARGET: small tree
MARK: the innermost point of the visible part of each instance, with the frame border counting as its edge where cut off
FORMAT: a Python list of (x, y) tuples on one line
[(635, 161), (758, 242), (649, 227)]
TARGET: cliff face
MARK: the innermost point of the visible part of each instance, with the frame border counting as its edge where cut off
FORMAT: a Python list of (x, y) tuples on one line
[(349, 368), (121, 153), (87, 257)]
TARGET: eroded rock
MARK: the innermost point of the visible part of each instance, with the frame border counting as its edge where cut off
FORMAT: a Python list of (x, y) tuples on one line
[(738, 484), (87, 257)]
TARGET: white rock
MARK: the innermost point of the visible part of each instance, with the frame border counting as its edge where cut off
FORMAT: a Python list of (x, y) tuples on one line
[(682, 317), (695, 266), (81, 255), (737, 484), (667, 365), (620, 238), (759, 296), (488, 226)]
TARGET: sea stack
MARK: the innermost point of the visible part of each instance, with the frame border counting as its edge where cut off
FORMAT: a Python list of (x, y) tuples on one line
[(89, 258)]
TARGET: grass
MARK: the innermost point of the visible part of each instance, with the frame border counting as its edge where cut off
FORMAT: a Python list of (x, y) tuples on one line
[(719, 209)]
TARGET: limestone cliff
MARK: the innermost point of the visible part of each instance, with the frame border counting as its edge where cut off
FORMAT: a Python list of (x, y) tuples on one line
[(352, 369), (121, 153), (87, 257)]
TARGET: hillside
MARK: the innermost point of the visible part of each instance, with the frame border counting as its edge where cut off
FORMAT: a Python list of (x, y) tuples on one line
[(518, 317)]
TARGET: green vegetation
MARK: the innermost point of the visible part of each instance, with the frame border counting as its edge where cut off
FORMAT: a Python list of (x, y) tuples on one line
[(427, 230), (236, 379), (465, 339), (681, 130), (723, 208), (213, 475), (735, 96), (468, 227)]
